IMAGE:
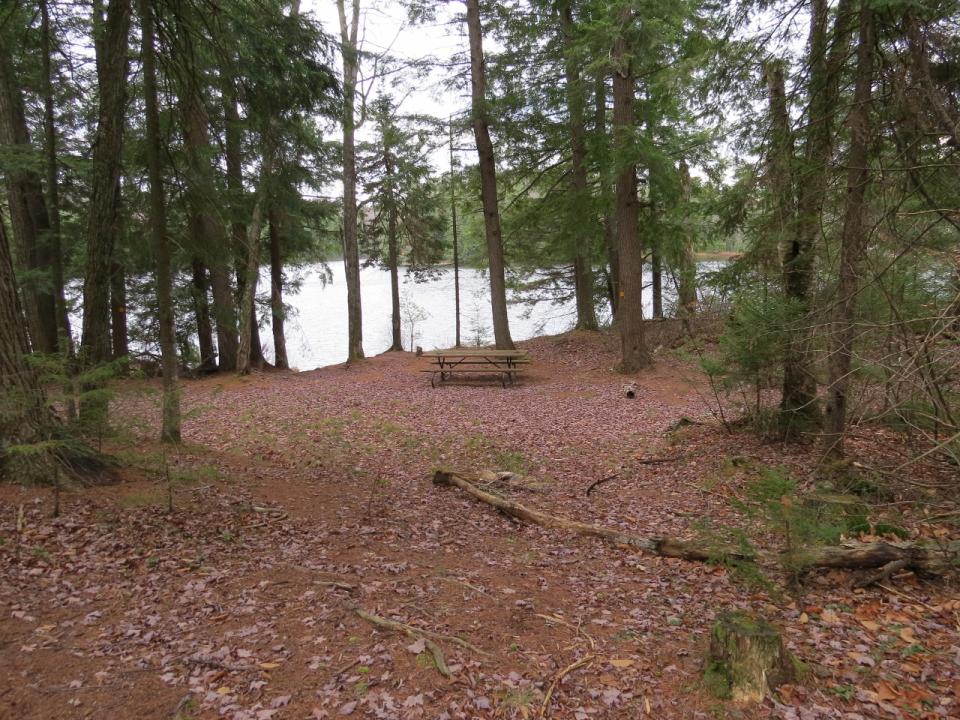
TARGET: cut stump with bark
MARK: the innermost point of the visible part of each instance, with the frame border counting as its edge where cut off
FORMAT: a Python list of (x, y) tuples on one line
[(747, 658)]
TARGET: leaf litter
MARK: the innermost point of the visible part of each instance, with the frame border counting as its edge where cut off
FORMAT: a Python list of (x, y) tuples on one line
[(238, 604)]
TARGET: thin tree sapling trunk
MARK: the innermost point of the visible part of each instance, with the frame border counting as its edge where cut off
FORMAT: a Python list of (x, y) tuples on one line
[(170, 425)]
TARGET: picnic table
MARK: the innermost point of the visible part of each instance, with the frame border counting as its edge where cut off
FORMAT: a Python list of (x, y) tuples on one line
[(446, 364)]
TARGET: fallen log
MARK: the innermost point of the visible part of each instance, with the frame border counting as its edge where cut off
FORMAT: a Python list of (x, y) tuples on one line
[(665, 547), (922, 557)]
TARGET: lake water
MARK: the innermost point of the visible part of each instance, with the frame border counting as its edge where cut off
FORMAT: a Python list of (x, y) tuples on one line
[(316, 329)]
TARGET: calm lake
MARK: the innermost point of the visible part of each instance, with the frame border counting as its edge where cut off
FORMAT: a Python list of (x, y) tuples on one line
[(316, 329)]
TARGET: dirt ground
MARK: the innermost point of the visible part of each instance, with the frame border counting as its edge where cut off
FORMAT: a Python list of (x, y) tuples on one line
[(302, 497)]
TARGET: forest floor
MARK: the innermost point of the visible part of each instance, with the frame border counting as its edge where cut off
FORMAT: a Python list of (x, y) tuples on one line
[(299, 497)]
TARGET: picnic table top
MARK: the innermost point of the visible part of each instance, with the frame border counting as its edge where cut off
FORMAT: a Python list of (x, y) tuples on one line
[(476, 352)]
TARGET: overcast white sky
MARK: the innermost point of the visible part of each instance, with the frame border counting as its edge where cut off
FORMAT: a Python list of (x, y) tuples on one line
[(384, 27)]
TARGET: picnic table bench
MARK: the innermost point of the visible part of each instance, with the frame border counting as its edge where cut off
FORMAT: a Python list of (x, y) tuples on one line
[(505, 364)]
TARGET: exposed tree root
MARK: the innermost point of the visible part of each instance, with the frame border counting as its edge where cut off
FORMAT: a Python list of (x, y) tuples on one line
[(921, 557)]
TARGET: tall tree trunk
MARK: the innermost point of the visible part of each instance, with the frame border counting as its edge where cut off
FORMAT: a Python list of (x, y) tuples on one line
[(488, 179), (225, 315), (24, 414), (582, 260), (210, 235), (798, 399), (250, 354), (249, 350), (276, 290), (603, 171), (456, 244), (54, 241), (799, 406), (853, 239), (107, 146), (170, 426), (28, 213), (687, 270), (118, 310), (393, 253), (634, 352), (351, 249), (201, 309)]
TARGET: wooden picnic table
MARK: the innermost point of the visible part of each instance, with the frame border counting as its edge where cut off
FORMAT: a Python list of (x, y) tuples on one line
[(506, 364)]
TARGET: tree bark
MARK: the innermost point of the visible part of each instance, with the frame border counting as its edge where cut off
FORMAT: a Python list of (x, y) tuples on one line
[(118, 310), (393, 254), (603, 169), (249, 350), (798, 399), (170, 425), (201, 309), (634, 352), (582, 259), (488, 179), (687, 270), (456, 244), (54, 241), (747, 659), (799, 406), (853, 239), (927, 558), (351, 249), (276, 290), (653, 545), (656, 275), (28, 213), (210, 234), (250, 354), (108, 144), (24, 414)]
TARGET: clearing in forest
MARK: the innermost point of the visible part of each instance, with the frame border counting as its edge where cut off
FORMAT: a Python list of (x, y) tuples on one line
[(305, 528)]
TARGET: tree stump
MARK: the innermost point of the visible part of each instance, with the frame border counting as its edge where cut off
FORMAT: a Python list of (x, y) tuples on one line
[(747, 658)]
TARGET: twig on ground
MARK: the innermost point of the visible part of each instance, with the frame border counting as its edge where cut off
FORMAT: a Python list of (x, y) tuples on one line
[(575, 628), (420, 634), (346, 667), (455, 581), (558, 677), (602, 480), (904, 595)]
